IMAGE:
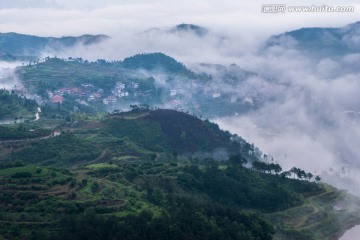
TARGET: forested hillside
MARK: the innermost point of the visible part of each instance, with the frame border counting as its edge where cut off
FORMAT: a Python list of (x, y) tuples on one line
[(139, 175), (14, 106)]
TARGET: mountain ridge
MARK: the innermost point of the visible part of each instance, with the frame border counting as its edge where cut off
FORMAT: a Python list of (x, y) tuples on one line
[(25, 45), (320, 41)]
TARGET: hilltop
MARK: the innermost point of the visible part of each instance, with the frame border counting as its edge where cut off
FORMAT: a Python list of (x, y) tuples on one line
[(190, 28), (156, 61)]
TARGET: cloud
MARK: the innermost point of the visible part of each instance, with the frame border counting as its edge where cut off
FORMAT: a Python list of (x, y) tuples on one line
[(22, 4), (313, 121), (8, 79)]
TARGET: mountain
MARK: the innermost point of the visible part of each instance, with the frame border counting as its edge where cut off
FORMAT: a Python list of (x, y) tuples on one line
[(139, 175), (325, 42), (28, 45), (189, 29), (181, 29)]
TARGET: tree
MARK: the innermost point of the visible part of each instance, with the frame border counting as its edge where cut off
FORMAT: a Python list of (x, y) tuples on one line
[(309, 175), (317, 178), (301, 174), (276, 168), (285, 174), (260, 166), (237, 159)]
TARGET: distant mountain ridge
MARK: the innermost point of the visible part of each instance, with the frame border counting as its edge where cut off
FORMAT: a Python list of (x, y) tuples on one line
[(29, 45), (181, 29), (321, 41), (190, 28)]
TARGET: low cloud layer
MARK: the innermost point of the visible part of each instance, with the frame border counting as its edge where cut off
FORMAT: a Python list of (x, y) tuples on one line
[(313, 122)]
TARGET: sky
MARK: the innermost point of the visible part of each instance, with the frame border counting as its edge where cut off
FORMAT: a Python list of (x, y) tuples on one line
[(115, 17)]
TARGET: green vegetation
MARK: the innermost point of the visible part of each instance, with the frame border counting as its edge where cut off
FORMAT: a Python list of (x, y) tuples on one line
[(22, 131), (13, 106), (55, 73), (156, 61), (154, 79), (138, 175), (62, 150)]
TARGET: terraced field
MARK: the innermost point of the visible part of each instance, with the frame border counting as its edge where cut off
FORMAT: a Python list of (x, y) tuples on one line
[(323, 216)]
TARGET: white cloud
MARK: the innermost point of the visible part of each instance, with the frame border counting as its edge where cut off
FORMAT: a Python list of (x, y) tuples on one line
[(22, 4)]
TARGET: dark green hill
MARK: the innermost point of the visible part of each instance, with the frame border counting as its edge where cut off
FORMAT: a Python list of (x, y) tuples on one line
[(186, 133), (156, 61), (165, 134), (173, 131)]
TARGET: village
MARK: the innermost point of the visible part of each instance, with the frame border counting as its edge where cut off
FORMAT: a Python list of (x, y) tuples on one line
[(129, 92)]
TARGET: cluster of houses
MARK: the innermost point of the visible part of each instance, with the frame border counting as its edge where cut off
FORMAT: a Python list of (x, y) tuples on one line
[(87, 93), (121, 90)]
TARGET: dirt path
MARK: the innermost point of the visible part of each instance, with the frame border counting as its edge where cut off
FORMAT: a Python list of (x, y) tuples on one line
[(26, 140), (74, 166)]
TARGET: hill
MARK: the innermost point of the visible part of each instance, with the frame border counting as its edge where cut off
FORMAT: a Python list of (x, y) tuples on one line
[(166, 83), (186, 133), (27, 45), (131, 176), (156, 61), (190, 29)]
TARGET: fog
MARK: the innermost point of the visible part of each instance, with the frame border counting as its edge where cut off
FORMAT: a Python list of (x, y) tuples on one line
[(8, 78), (313, 122), (215, 47)]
